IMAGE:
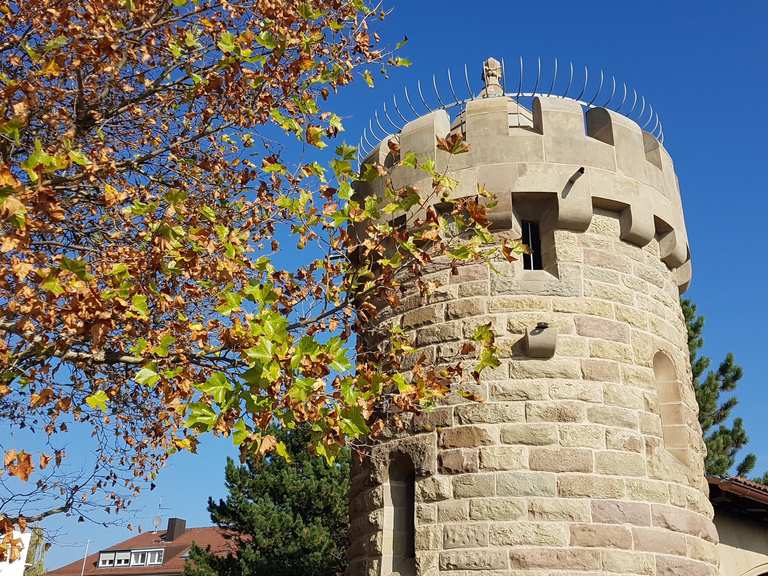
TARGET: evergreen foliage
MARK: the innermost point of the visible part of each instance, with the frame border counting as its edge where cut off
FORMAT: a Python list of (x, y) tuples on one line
[(292, 516), (723, 441)]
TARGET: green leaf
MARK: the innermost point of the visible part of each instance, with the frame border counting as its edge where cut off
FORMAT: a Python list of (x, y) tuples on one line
[(266, 39), (409, 160), (162, 348), (335, 349), (217, 387), (354, 424), (226, 42), (208, 213), (147, 377), (179, 3), (76, 266), (51, 284), (174, 48), (401, 62), (139, 305), (368, 77), (190, 39), (201, 416), (274, 326), (78, 158), (402, 43), (239, 433), (231, 303), (282, 451), (263, 351), (118, 269), (55, 43), (98, 400), (483, 333)]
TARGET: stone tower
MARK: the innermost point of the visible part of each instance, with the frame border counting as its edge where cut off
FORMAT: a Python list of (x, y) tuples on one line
[(586, 456)]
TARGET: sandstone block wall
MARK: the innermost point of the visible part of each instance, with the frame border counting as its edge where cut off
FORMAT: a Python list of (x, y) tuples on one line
[(563, 465), (588, 462)]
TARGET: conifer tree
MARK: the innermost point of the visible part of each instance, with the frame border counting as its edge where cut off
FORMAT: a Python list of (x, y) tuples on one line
[(290, 517), (723, 441)]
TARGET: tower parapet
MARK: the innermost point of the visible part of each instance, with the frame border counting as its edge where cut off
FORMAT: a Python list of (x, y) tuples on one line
[(585, 455)]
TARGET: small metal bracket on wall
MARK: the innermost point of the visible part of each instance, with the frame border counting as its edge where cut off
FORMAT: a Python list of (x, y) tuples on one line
[(541, 341)]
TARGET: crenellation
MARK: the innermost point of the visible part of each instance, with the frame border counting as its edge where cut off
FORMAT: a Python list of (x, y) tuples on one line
[(624, 168)]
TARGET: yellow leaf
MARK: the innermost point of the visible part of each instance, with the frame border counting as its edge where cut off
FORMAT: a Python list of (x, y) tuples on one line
[(51, 68)]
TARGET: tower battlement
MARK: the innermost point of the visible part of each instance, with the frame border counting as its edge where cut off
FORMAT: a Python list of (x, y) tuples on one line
[(583, 161)]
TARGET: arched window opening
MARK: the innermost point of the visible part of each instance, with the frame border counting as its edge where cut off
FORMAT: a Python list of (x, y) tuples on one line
[(672, 409), (399, 545)]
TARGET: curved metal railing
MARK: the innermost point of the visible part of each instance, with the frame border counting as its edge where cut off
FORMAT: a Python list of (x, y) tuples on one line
[(590, 93)]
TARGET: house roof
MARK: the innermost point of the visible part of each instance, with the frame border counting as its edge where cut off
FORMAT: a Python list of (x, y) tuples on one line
[(211, 537), (740, 496)]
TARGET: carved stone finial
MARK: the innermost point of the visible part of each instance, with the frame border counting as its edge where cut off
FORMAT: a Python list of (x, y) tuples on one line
[(492, 78)]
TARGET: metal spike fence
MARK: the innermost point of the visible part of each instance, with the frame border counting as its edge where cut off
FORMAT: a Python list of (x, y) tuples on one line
[(590, 91)]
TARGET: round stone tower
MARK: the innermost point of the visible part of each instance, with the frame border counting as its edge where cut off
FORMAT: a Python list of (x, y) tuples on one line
[(585, 455)]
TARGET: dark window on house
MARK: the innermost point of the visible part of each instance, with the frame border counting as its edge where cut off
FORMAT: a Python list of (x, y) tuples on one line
[(532, 239)]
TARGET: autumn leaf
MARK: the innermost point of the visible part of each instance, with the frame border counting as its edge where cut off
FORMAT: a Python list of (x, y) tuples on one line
[(19, 464), (98, 400), (453, 144)]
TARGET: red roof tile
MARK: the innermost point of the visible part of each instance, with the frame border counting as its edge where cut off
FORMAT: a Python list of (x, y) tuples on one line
[(173, 563)]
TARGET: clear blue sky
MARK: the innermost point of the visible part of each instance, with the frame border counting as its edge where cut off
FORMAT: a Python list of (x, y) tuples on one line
[(702, 65)]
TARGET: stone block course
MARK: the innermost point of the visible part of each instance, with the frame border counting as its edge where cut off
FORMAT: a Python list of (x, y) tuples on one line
[(613, 416), (453, 511), (490, 413), (600, 370), (618, 463), (438, 333), (559, 509), (528, 534), (582, 436), (576, 559), (526, 484), (465, 535), (482, 559), (595, 327), (625, 562), (465, 307), (621, 512), (458, 461), (474, 485), (673, 518), (561, 459), (535, 434), (561, 411), (465, 437), (553, 368), (601, 536), (503, 458), (515, 390), (589, 485), (498, 509), (661, 541), (426, 315)]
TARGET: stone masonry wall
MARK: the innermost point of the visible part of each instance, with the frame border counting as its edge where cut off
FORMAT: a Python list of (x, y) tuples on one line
[(562, 468)]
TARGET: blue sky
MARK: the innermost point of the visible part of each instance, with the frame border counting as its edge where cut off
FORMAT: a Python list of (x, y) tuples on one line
[(702, 65)]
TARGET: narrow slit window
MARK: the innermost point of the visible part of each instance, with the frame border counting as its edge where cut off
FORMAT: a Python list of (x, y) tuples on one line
[(400, 551), (532, 239)]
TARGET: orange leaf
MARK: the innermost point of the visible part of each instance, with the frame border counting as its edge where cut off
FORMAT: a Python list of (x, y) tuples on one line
[(23, 466)]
